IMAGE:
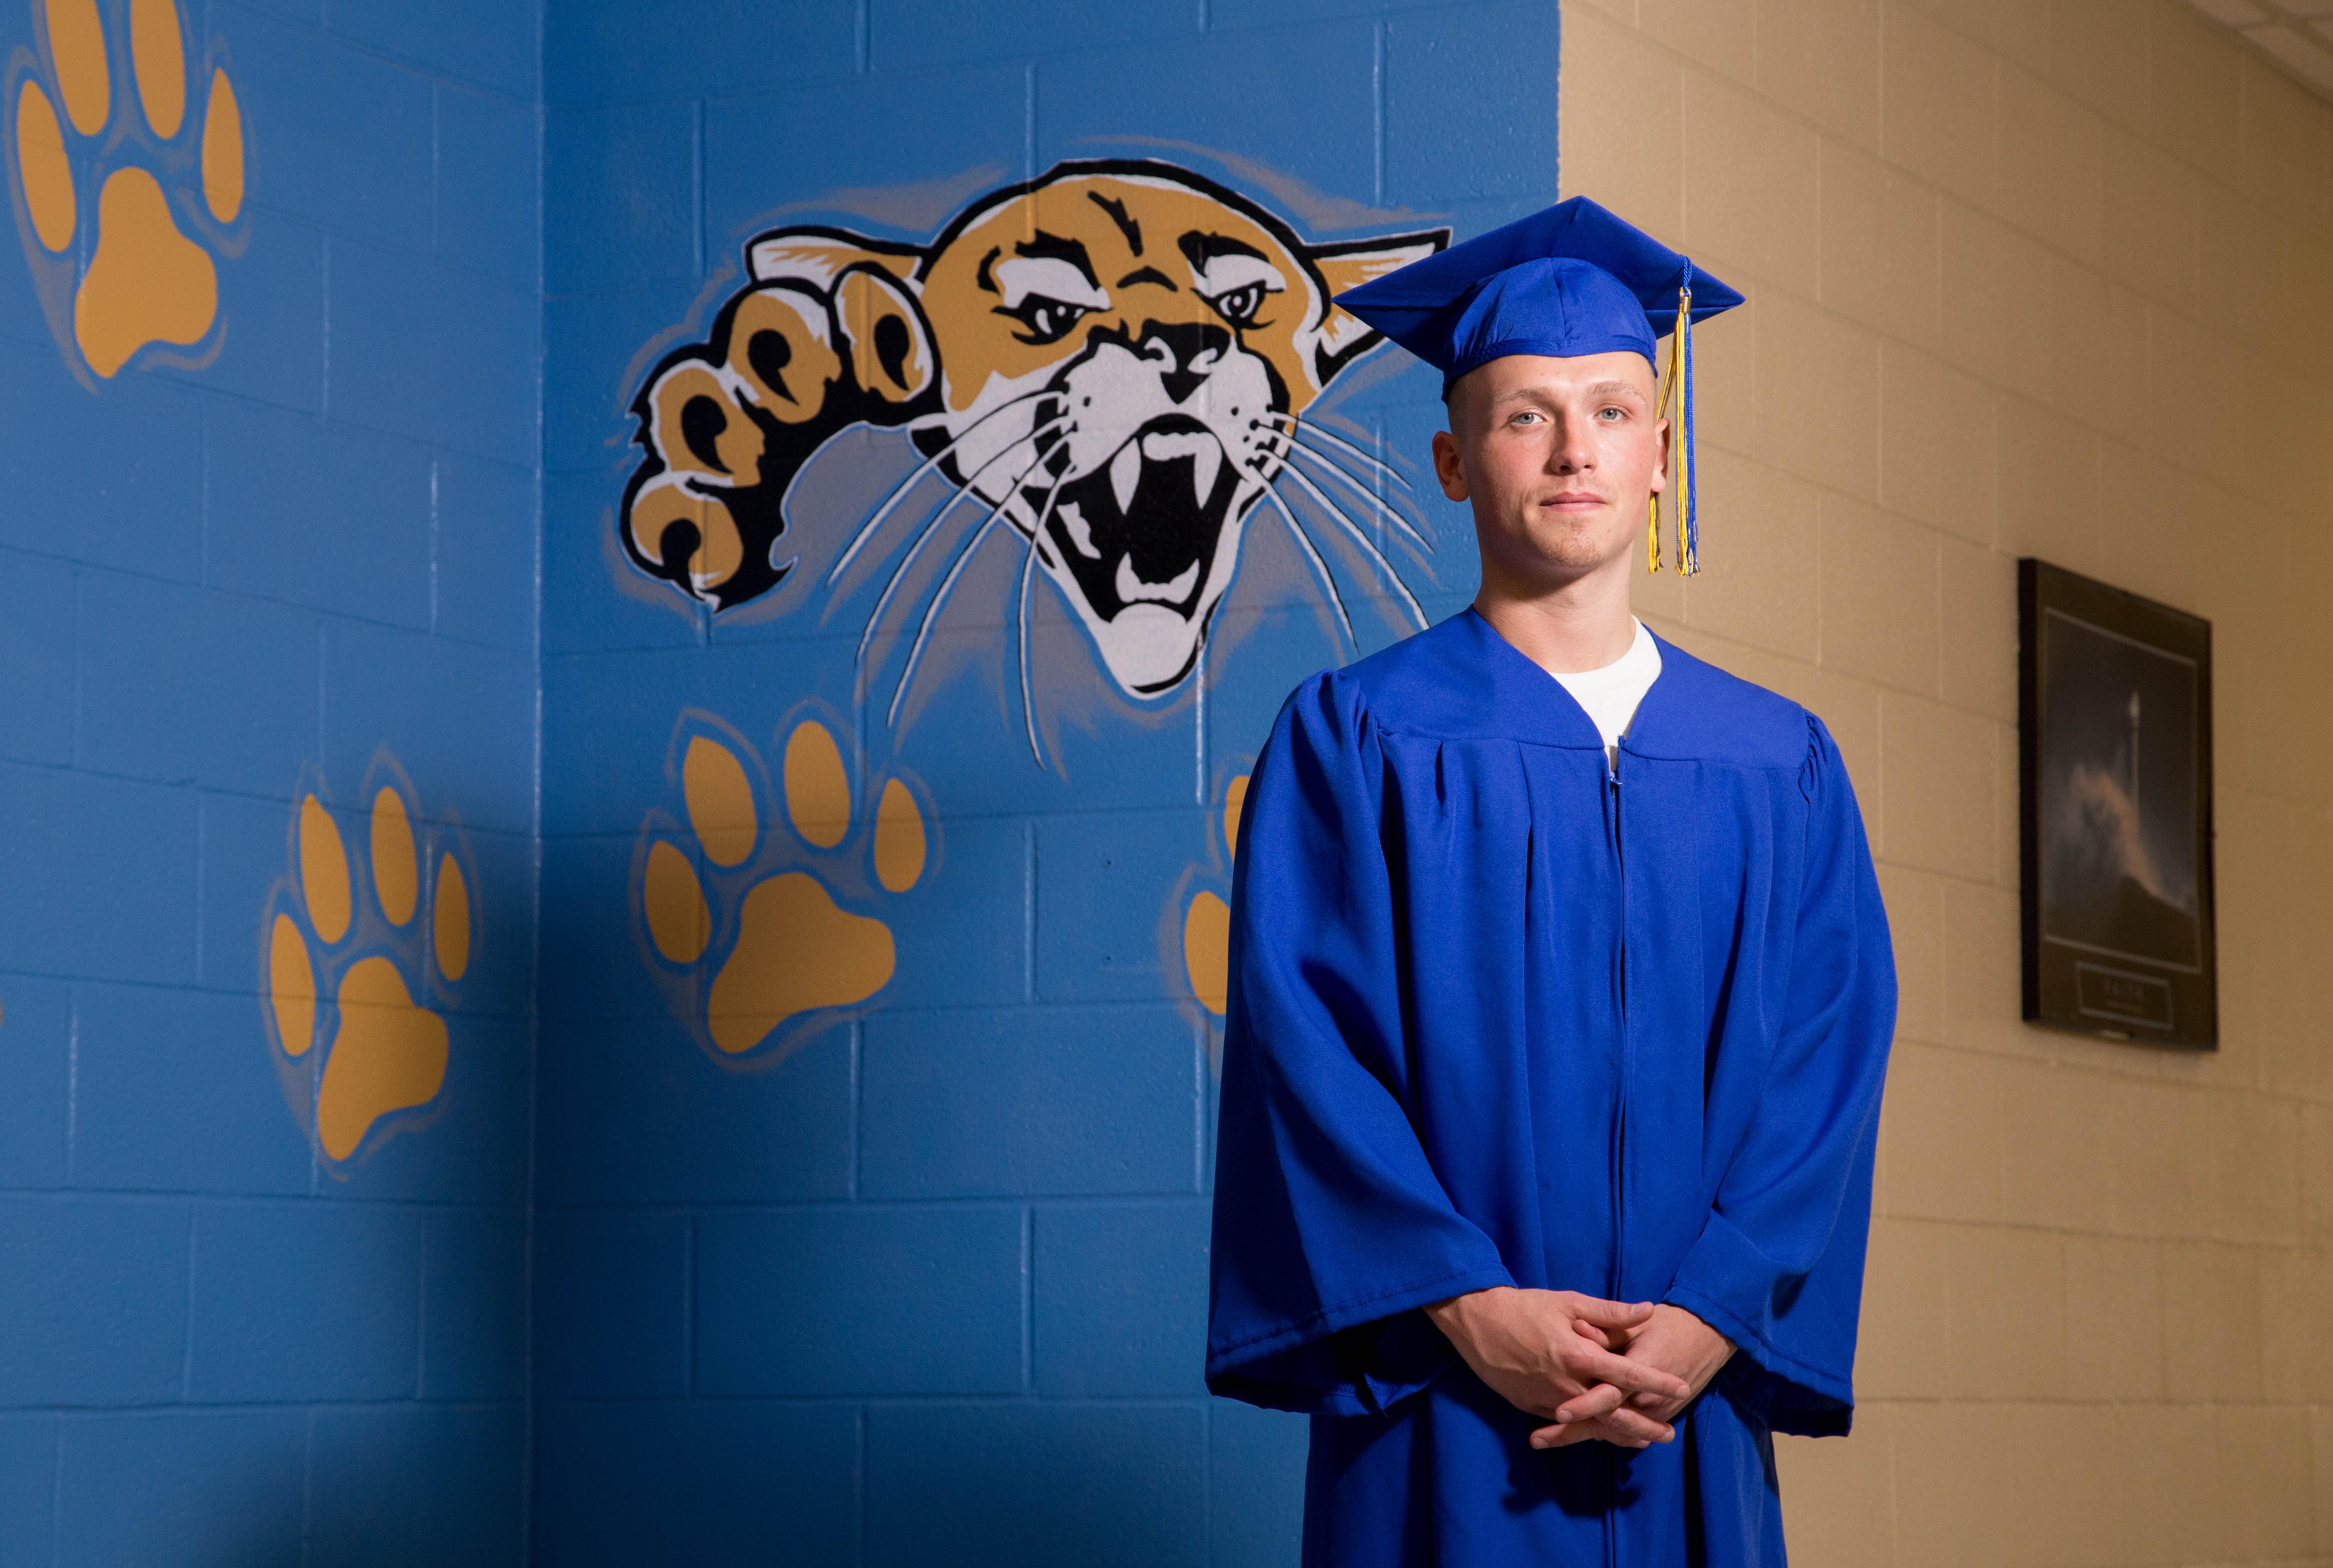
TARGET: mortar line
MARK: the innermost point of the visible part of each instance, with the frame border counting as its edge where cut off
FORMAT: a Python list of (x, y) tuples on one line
[(1377, 114)]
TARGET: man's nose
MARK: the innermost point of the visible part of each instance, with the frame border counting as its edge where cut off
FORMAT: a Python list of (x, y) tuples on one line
[(1571, 452)]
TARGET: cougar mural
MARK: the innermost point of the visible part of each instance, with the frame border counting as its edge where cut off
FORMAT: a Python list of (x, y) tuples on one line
[(1111, 361), (1084, 388)]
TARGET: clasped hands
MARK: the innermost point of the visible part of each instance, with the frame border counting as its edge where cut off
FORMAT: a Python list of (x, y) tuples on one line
[(1595, 1370)]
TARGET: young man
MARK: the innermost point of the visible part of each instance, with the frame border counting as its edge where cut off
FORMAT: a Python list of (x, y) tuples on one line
[(1560, 998)]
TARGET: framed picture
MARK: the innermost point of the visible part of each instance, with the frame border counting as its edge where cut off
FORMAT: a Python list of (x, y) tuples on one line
[(2114, 708)]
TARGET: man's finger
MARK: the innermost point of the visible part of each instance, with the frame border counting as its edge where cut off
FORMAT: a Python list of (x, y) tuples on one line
[(1602, 1366), (1572, 1432), (1564, 1437), (1601, 1399), (1639, 1426), (1602, 1339), (1601, 1430), (1611, 1315)]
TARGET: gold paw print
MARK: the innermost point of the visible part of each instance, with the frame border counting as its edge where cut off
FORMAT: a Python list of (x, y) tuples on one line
[(1207, 921), (736, 895), (126, 266), (350, 946)]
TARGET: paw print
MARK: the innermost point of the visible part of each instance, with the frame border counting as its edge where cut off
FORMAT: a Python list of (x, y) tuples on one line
[(1207, 917), (158, 157), (748, 896), (350, 946)]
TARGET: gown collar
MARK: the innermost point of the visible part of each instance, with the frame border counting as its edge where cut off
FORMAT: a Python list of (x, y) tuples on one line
[(1693, 711), (1531, 704), (1461, 680)]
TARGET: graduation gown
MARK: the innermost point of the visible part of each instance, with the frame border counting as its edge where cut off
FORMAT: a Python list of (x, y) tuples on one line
[(1501, 1015)]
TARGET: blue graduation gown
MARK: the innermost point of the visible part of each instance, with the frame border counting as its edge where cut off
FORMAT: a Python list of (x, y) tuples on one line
[(1501, 1015)]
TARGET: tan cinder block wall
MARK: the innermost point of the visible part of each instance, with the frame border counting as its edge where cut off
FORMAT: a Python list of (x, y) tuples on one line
[(2053, 279)]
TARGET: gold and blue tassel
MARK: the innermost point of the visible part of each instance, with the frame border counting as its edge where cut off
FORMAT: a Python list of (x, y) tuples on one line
[(1688, 510), (1676, 379), (1670, 374)]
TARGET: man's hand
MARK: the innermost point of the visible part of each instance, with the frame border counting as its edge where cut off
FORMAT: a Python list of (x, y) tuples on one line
[(1544, 1350), (1668, 1339)]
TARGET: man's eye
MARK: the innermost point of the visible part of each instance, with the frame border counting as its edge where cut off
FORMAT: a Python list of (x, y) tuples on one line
[(1526, 418), (1612, 413), (1239, 305), (1046, 321)]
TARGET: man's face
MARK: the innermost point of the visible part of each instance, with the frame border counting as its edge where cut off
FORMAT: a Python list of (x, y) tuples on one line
[(1558, 458)]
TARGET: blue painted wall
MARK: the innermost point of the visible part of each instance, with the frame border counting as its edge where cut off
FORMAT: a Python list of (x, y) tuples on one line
[(295, 557), (923, 1277), (821, 1175)]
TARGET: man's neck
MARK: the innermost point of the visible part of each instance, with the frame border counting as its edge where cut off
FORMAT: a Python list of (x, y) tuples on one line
[(1582, 625)]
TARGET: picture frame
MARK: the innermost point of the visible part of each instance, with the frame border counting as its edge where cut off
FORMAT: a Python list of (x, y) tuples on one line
[(2114, 711)]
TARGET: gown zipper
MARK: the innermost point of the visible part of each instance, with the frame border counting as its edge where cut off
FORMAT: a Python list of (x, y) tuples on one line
[(1619, 1136), (1620, 1114)]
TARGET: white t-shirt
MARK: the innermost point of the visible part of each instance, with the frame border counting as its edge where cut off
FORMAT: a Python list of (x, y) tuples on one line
[(1610, 695)]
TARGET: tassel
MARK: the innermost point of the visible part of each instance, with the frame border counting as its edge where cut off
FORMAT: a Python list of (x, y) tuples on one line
[(1672, 374), (1687, 513)]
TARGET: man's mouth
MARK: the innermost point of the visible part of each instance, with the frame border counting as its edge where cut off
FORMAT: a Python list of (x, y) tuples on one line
[(1142, 528)]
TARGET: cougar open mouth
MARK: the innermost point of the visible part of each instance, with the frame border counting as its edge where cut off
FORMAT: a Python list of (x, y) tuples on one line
[(1142, 528)]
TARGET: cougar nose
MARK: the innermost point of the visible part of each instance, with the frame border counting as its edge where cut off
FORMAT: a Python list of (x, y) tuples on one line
[(1189, 350)]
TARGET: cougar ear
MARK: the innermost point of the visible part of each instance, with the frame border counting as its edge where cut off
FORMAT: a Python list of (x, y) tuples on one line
[(871, 285), (1343, 338)]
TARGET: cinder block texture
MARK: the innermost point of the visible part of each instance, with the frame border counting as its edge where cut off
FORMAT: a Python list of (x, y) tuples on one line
[(2067, 236), (927, 1279), (294, 558)]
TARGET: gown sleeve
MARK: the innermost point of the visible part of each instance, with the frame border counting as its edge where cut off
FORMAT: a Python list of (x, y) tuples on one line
[(1779, 1264), (1330, 1227)]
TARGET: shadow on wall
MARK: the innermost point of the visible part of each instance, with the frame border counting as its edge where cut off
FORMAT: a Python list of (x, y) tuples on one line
[(380, 1487), (1034, 1486), (872, 1141), (1131, 1486)]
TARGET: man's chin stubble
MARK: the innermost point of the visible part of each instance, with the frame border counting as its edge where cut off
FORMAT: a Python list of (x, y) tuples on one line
[(1580, 547)]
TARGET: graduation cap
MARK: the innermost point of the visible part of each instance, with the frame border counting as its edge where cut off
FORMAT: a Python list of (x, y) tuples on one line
[(1570, 281)]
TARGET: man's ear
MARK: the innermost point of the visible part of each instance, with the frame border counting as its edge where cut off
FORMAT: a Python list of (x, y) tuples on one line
[(1343, 337), (1449, 468)]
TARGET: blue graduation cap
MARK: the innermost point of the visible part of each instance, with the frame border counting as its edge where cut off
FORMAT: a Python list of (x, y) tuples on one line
[(1570, 281)]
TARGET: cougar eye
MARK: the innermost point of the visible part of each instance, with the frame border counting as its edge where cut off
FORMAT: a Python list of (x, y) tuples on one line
[(1047, 321), (1239, 305)]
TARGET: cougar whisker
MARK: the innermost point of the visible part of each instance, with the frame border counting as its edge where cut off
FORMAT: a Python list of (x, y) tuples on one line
[(924, 626), (1361, 538), (948, 586), (1320, 567), (1021, 639), (1392, 512), (874, 616), (898, 492), (1334, 439)]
